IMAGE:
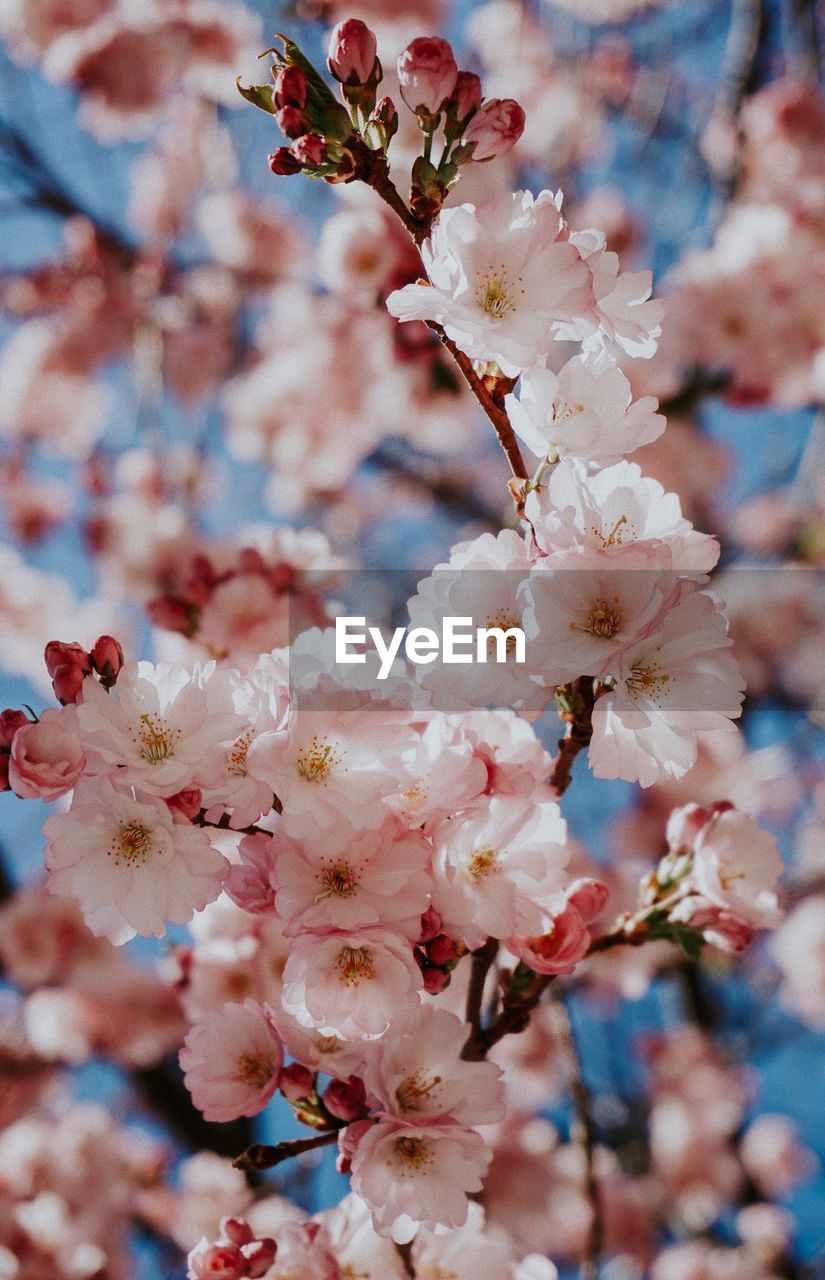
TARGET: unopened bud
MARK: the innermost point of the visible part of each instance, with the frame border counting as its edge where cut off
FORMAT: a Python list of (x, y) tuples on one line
[(495, 128), (10, 722), (589, 897), (295, 1082), (352, 52), (57, 654), (283, 163), (188, 802), (173, 613), (236, 1231), (442, 950), (466, 96), (382, 125), (107, 658), (292, 122), (435, 980), (311, 150), (67, 682), (291, 88), (259, 1255), (217, 1262), (428, 73), (345, 1099)]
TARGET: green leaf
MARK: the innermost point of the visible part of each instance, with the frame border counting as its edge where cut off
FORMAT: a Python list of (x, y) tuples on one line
[(260, 95)]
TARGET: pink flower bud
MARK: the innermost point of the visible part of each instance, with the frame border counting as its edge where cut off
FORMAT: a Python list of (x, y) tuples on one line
[(311, 150), (292, 122), (442, 950), (495, 128), (188, 802), (10, 722), (107, 658), (46, 757), (295, 1082), (352, 52), (428, 73), (588, 897), (260, 1255), (466, 96), (291, 88), (283, 163), (57, 654), (558, 950), (345, 1099), (4, 773), (430, 925), (236, 1231), (435, 980), (216, 1262), (684, 825), (67, 682), (173, 613)]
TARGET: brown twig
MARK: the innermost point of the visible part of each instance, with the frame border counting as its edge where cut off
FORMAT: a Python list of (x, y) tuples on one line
[(259, 1156), (404, 1252), (481, 962), (583, 1133), (579, 732)]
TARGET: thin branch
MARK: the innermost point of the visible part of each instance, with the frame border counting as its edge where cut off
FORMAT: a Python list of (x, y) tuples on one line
[(583, 1134), (481, 962), (579, 732), (404, 1252), (259, 1156)]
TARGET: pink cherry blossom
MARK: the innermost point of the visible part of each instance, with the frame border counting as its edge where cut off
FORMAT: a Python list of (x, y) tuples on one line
[(493, 867), (46, 758), (231, 1062), (129, 862), (427, 72), (494, 128), (503, 279), (352, 985), (412, 1176), (736, 866), (419, 1076)]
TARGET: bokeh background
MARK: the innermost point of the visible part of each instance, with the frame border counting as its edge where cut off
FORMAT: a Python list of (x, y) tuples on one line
[(195, 358)]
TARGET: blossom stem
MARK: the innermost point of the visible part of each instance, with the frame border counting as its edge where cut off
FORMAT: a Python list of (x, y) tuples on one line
[(259, 1156), (578, 734), (223, 822), (482, 959)]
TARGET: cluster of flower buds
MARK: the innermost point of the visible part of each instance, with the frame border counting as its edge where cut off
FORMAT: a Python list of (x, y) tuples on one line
[(236, 1254), (341, 1102), (717, 883), (437, 954), (340, 144), (70, 664)]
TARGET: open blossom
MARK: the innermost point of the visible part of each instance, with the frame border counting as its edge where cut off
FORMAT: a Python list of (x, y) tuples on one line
[(231, 1062), (378, 878), (331, 769), (736, 866), (411, 1176), (164, 729), (502, 280), (584, 411), (577, 515), (583, 620), (673, 686), (131, 863), (629, 320), (444, 773), (352, 985), (493, 867), (418, 1075), (46, 758), (565, 937)]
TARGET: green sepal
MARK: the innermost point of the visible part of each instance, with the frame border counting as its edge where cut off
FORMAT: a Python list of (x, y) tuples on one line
[(260, 95)]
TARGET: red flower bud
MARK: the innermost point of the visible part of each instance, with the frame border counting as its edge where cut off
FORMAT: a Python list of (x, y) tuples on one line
[(295, 1082), (435, 980), (292, 122), (67, 682), (352, 52), (259, 1255), (217, 1262), (345, 1099), (311, 150), (442, 950), (236, 1231), (188, 802), (10, 722), (283, 162), (495, 128), (107, 658), (173, 613), (466, 96), (428, 73), (5, 785), (57, 654), (291, 88)]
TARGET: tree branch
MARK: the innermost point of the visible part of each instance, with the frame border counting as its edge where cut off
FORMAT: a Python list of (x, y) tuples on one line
[(583, 1133), (259, 1156)]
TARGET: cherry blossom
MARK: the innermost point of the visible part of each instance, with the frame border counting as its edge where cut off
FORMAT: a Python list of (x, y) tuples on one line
[(231, 1062)]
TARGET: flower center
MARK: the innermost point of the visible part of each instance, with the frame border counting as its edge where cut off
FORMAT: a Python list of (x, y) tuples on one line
[(317, 762), (615, 537), (353, 964), (416, 1091), (412, 1153), (238, 754), (132, 845), (505, 620), (157, 739), (647, 680), (255, 1068), (495, 294), (604, 620), (340, 881), (484, 862)]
